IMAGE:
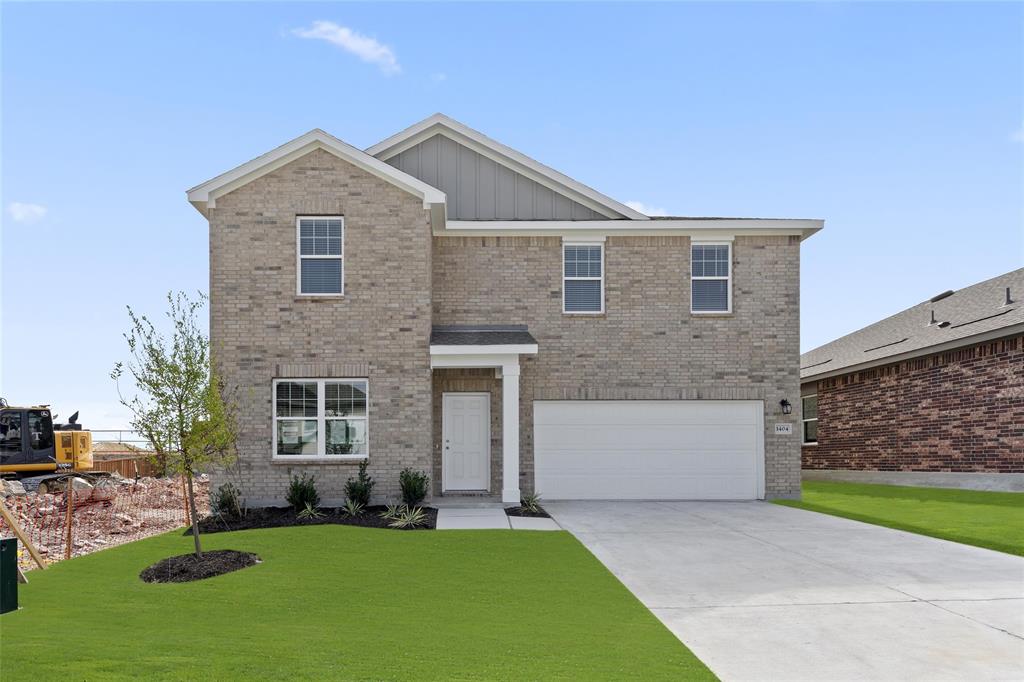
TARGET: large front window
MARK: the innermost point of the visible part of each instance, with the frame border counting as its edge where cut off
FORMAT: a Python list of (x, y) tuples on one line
[(321, 257), (320, 418)]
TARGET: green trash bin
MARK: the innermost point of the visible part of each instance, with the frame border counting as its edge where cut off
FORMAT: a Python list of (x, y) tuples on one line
[(8, 575)]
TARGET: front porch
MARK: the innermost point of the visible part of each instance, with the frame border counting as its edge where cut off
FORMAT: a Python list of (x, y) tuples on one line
[(476, 410)]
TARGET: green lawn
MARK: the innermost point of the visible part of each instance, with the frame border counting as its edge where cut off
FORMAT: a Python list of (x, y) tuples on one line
[(992, 520), (338, 602)]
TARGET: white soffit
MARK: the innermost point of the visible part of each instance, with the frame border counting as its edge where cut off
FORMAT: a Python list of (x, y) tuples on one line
[(504, 155), (204, 196), (704, 229)]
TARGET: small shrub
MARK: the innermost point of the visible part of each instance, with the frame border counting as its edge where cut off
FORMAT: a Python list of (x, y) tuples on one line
[(310, 512), (392, 511), (227, 500), (531, 503), (359, 489), (302, 493), (407, 517), (414, 486), (353, 508)]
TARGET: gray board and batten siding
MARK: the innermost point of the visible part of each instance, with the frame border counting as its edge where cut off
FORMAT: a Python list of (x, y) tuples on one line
[(478, 188)]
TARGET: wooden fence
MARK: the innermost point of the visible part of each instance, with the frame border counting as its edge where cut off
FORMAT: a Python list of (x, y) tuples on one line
[(129, 467)]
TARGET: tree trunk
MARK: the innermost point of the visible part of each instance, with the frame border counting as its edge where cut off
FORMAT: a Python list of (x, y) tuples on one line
[(195, 516)]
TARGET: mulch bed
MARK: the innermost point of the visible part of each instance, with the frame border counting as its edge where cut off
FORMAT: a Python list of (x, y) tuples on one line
[(186, 567), (519, 511), (278, 517)]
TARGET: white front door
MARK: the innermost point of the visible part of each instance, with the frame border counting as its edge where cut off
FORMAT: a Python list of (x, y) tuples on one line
[(466, 436)]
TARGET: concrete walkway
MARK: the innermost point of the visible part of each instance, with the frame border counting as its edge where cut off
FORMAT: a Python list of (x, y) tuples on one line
[(759, 591), (463, 518)]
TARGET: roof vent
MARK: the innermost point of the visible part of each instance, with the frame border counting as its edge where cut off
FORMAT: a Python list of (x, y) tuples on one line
[(943, 325), (933, 320), (939, 297), (1008, 300)]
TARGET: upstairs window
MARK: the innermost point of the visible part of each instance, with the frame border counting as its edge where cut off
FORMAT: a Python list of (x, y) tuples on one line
[(810, 418), (583, 278), (320, 271), (320, 418), (710, 278)]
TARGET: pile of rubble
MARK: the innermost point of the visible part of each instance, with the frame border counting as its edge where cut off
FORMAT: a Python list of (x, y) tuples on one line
[(105, 512)]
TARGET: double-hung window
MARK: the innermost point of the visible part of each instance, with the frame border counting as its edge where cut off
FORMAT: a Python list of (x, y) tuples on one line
[(320, 255), (320, 418), (710, 278), (583, 278), (809, 405)]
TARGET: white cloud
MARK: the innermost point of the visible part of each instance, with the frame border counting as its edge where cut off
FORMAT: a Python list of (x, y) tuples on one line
[(1018, 134), (26, 213), (645, 209), (366, 48)]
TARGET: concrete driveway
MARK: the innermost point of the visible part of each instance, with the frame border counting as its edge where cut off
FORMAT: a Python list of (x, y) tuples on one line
[(764, 592)]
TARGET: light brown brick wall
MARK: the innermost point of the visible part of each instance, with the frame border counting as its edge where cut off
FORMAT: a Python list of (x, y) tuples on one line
[(260, 329), (647, 345)]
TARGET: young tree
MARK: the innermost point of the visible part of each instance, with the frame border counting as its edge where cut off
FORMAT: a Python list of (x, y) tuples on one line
[(180, 406)]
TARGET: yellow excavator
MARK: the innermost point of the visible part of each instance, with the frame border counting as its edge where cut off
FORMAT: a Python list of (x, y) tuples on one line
[(40, 453)]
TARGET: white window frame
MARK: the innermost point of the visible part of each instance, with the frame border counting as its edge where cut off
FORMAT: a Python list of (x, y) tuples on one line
[(727, 278), (321, 420), (599, 244), (804, 420), (299, 257)]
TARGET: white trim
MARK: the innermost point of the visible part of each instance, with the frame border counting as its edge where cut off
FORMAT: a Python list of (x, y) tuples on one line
[(727, 278), (963, 341), (600, 245), (506, 156), (204, 196), (299, 256), (321, 420), (698, 228), (487, 428), (484, 351), (804, 419)]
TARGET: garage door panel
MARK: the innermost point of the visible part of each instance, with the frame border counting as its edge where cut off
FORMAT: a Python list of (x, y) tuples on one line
[(648, 437), (648, 449)]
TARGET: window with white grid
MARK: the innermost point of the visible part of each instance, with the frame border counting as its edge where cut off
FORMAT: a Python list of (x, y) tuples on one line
[(583, 278), (710, 278), (320, 255), (321, 418)]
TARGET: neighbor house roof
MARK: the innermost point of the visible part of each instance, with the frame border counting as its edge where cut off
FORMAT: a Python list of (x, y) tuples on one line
[(204, 196), (946, 321)]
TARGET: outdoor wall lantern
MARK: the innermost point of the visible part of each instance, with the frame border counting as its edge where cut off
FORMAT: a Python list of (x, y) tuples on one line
[(786, 407)]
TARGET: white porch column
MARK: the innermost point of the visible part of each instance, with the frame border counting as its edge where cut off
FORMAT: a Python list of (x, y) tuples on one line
[(510, 432)]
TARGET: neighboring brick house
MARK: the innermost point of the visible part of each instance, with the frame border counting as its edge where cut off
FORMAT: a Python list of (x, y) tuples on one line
[(441, 301), (932, 395)]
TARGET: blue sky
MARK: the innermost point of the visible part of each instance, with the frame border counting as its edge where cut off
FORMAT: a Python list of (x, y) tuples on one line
[(902, 125)]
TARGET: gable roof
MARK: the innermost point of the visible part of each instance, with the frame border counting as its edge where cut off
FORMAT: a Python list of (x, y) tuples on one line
[(971, 315), (205, 195), (439, 124)]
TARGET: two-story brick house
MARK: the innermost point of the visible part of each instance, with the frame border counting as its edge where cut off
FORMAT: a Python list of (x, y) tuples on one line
[(443, 302)]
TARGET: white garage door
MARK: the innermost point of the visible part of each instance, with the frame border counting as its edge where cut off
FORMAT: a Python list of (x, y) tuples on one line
[(649, 449)]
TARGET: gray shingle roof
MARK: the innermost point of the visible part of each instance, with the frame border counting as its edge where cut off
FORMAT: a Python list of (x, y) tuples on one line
[(480, 335), (978, 309)]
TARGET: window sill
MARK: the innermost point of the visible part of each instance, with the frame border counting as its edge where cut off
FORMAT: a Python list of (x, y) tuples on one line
[(584, 314), (710, 313), (318, 297), (326, 459), (804, 445)]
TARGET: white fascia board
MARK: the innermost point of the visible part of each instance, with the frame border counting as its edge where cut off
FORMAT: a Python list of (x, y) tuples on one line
[(707, 230), (504, 349), (204, 196), (992, 335), (502, 154)]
